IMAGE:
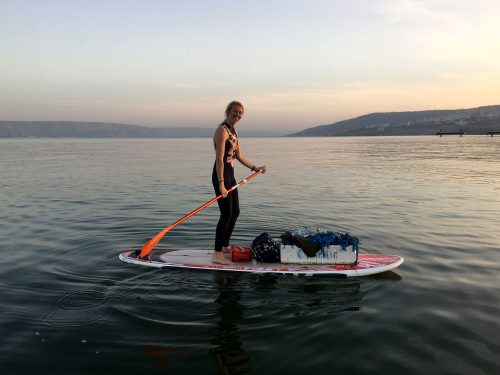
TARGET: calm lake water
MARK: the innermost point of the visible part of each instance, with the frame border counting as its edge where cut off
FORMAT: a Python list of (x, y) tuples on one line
[(69, 306)]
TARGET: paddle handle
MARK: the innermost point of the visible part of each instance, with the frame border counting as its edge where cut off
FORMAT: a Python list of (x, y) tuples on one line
[(148, 246)]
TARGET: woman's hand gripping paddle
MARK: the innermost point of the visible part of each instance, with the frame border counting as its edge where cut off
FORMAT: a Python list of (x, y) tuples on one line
[(154, 241)]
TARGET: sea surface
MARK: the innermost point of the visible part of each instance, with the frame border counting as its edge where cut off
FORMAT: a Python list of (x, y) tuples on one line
[(68, 207)]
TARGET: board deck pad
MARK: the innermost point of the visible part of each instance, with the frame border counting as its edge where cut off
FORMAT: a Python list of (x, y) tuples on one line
[(368, 264)]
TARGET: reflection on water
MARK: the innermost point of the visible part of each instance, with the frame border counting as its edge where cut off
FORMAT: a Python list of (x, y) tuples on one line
[(163, 358), (288, 297), (228, 354)]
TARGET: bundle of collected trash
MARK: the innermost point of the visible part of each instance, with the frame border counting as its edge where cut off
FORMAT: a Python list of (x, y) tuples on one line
[(301, 247), (319, 248)]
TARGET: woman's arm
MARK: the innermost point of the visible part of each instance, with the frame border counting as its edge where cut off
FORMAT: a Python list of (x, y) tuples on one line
[(220, 138)]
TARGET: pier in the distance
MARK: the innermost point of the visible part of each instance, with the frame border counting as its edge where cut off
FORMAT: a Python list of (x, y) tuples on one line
[(441, 133)]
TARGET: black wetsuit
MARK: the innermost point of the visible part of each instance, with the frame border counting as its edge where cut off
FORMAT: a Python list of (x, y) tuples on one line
[(229, 206)]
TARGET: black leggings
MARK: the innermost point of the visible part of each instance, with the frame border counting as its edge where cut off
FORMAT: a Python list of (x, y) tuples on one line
[(229, 211)]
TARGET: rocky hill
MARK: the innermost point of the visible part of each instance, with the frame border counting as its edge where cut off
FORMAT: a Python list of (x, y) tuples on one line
[(69, 129), (472, 121)]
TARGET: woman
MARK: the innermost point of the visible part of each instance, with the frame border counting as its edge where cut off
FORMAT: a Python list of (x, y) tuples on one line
[(227, 149)]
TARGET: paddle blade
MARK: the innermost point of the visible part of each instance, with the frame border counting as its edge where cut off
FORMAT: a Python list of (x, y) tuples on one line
[(148, 246)]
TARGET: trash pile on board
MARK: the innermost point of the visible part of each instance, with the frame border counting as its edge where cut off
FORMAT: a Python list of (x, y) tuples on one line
[(301, 247)]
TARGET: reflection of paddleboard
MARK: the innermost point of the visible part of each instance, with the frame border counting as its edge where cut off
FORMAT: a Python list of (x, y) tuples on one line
[(368, 264)]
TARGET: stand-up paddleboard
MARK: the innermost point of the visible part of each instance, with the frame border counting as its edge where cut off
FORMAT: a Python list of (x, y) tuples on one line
[(368, 264)]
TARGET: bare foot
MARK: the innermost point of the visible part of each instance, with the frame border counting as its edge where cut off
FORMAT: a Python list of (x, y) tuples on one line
[(218, 258), (225, 249)]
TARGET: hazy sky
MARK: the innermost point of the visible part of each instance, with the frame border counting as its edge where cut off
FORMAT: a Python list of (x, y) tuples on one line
[(294, 64)]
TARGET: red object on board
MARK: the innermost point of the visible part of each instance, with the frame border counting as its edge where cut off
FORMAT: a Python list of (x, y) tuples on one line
[(240, 254)]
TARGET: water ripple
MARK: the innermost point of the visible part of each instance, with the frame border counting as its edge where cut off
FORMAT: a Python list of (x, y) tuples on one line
[(78, 309)]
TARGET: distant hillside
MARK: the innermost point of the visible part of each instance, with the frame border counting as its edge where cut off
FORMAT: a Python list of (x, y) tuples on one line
[(69, 129), (472, 121)]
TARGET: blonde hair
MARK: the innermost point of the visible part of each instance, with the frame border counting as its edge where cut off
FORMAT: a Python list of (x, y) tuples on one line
[(232, 104)]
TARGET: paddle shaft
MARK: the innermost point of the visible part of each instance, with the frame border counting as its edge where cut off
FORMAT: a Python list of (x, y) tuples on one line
[(154, 241)]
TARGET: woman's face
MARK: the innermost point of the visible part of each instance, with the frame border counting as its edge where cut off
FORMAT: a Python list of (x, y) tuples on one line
[(235, 114)]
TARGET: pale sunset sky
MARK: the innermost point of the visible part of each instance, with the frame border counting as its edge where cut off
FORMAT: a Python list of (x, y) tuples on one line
[(293, 64)]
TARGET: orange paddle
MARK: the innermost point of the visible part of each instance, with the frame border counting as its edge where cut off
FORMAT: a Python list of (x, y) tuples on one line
[(154, 241)]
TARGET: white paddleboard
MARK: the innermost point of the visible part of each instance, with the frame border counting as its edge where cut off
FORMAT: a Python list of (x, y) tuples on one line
[(368, 264)]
